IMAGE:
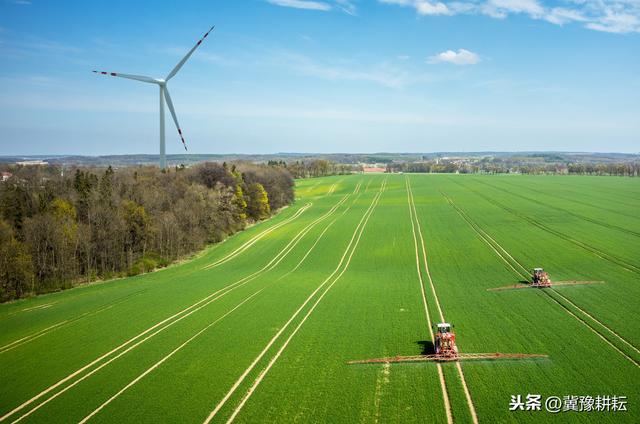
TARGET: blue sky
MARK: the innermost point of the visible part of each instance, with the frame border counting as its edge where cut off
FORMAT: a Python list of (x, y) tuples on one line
[(322, 76)]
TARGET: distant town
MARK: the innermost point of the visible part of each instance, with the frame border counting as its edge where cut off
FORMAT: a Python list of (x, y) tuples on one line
[(309, 164)]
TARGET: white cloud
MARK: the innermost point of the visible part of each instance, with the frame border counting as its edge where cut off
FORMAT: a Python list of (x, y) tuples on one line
[(426, 8), (500, 8), (302, 4), (561, 16), (423, 7), (615, 16), (616, 23), (461, 57), (346, 6)]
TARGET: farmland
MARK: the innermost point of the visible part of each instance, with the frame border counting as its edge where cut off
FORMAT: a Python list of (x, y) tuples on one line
[(259, 328)]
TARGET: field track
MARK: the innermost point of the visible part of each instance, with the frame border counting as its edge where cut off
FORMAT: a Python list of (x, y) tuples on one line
[(261, 328), (467, 394), (443, 383)]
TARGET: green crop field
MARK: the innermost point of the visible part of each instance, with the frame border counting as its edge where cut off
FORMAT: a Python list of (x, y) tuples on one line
[(260, 327)]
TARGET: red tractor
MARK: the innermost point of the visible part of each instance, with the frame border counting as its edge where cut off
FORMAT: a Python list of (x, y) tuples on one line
[(540, 278), (445, 343)]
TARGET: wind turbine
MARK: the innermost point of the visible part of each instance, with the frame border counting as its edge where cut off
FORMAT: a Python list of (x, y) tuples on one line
[(164, 96)]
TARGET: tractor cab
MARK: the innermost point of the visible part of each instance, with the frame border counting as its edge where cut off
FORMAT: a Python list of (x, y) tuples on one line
[(444, 327), (540, 278)]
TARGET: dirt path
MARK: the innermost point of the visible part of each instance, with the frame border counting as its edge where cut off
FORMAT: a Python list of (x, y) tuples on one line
[(522, 272), (339, 270), (467, 393)]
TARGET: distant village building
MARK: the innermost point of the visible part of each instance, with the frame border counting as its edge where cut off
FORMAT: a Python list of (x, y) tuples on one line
[(32, 163), (6, 176), (373, 168)]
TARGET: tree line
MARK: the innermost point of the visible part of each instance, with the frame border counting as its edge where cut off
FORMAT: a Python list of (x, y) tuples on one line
[(61, 229), (498, 166), (316, 168)]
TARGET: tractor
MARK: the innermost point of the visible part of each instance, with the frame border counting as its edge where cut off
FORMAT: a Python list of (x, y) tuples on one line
[(445, 342), (446, 350), (540, 278)]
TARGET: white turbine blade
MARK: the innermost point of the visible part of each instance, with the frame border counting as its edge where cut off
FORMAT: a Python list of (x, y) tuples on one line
[(128, 76), (184, 59), (167, 97)]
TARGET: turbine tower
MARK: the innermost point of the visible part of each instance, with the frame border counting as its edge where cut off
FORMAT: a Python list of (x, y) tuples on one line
[(164, 96)]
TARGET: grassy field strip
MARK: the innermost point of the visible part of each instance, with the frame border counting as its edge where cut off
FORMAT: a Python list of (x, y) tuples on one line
[(593, 187), (166, 357), (157, 364), (443, 383), (355, 191), (38, 334), (207, 300), (273, 360), (602, 255), (257, 237), (565, 198), (633, 361), (622, 339), (366, 189), (523, 273), (467, 393), (562, 210), (312, 187), (350, 249)]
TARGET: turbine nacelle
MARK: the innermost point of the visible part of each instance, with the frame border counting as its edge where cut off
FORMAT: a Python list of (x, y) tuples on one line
[(164, 95)]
